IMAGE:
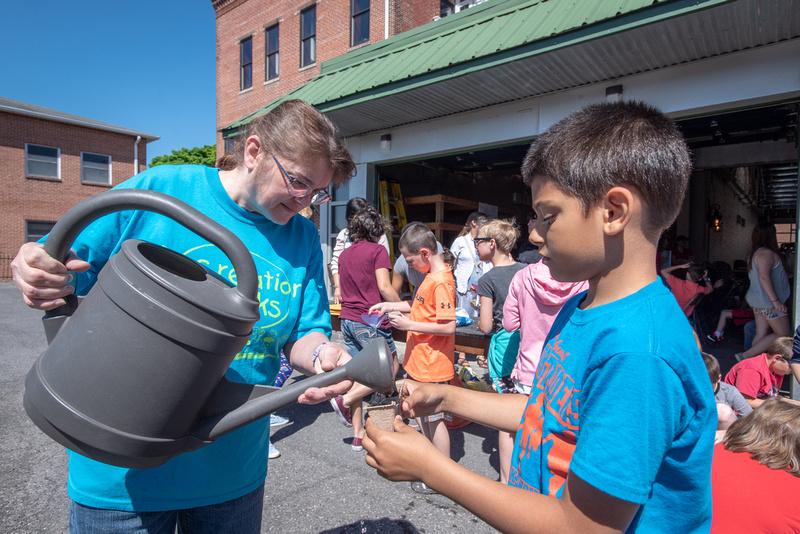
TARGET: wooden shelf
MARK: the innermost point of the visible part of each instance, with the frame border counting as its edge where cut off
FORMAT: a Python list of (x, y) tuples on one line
[(440, 203), (443, 199)]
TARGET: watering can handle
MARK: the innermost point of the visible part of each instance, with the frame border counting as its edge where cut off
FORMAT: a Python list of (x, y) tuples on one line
[(67, 229)]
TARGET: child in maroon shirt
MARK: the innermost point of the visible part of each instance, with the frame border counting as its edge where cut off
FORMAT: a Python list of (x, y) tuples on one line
[(364, 281)]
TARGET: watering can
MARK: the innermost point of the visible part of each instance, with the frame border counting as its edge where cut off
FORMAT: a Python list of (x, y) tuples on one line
[(136, 374)]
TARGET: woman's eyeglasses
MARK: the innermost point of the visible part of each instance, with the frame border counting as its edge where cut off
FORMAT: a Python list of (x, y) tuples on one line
[(298, 189)]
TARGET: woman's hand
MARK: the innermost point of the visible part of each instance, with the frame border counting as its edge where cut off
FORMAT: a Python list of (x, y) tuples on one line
[(331, 355), (400, 455), (779, 306), (337, 295), (42, 280)]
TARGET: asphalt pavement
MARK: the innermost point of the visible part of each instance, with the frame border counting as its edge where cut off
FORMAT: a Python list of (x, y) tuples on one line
[(318, 484)]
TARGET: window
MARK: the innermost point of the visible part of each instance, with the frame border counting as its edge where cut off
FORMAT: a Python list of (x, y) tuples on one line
[(42, 162), (35, 230), (272, 67), (95, 169), (246, 63), (230, 145), (450, 7), (359, 25), (308, 36)]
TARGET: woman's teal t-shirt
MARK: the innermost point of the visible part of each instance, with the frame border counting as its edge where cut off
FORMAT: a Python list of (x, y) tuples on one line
[(292, 302)]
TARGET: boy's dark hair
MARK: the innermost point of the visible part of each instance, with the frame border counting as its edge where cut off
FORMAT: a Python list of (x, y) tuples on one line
[(612, 144), (712, 366), (782, 346), (417, 236), (366, 224)]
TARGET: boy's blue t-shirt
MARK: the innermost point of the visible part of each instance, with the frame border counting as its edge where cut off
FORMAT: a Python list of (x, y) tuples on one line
[(621, 399), (293, 302)]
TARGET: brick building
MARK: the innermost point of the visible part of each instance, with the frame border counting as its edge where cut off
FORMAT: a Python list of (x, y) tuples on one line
[(49, 161), (266, 48)]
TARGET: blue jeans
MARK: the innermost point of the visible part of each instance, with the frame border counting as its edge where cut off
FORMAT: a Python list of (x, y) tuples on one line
[(237, 516), (356, 335)]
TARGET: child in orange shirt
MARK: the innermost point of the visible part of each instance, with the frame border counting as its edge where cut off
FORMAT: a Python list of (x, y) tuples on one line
[(431, 326)]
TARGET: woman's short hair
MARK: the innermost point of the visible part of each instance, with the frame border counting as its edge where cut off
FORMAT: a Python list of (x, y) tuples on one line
[(366, 224), (504, 233), (297, 130), (771, 434)]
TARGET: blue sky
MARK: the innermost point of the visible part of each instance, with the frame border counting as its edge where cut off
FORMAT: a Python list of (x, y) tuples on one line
[(147, 65)]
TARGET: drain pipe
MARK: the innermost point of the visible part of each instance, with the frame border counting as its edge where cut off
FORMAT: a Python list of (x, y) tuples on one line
[(136, 154), (385, 19)]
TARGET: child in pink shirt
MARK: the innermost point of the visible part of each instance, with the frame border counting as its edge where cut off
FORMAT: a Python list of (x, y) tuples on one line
[(533, 302)]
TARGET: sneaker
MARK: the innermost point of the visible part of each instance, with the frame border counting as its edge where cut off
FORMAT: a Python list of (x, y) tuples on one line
[(715, 338), (276, 420), (342, 410), (420, 487), (273, 451), (357, 445)]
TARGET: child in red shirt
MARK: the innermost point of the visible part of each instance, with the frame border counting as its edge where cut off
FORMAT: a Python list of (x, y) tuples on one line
[(761, 376), (687, 289), (756, 470)]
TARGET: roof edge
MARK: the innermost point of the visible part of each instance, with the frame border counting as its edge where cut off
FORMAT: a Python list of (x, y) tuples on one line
[(9, 106)]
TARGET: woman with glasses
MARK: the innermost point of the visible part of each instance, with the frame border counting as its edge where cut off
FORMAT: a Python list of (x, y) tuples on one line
[(288, 159)]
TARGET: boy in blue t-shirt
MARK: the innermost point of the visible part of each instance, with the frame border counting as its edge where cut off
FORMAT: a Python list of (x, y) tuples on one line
[(593, 453)]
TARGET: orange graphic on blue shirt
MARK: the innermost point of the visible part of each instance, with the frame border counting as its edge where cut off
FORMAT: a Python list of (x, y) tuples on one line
[(547, 434)]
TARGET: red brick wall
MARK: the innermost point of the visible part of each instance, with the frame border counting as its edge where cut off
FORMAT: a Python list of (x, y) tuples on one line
[(24, 198), (409, 14), (240, 19)]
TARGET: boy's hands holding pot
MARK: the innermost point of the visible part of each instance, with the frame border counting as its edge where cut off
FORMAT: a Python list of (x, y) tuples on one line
[(405, 453), (42, 280)]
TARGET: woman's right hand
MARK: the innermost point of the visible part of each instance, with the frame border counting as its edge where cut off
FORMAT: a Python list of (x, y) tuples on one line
[(420, 399), (43, 280), (337, 295), (779, 306)]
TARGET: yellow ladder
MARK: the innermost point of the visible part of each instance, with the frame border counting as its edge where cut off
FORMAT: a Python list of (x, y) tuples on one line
[(391, 197)]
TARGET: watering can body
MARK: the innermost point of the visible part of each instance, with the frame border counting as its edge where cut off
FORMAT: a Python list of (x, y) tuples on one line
[(134, 375)]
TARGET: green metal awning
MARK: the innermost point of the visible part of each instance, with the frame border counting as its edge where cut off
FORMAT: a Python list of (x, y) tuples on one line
[(510, 49)]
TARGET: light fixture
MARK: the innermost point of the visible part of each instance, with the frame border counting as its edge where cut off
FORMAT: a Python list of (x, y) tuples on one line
[(614, 93), (386, 142), (715, 218)]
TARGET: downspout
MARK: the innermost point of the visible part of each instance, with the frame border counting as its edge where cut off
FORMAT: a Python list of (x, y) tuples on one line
[(136, 154), (794, 389), (385, 19)]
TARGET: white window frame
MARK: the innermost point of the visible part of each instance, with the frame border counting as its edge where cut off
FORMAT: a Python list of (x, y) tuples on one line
[(110, 173), (28, 174)]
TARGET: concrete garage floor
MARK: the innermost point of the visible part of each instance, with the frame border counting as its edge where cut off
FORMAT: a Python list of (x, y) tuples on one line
[(317, 485)]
